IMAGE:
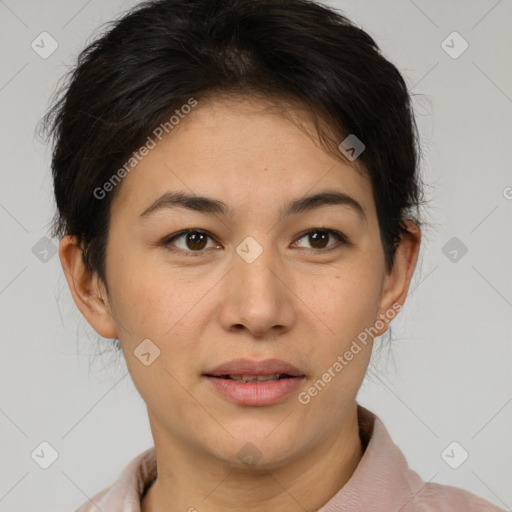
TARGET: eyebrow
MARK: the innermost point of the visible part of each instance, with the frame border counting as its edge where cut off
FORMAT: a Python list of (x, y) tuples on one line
[(209, 205)]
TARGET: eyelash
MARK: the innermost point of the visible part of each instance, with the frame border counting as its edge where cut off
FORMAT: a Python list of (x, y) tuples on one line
[(167, 242)]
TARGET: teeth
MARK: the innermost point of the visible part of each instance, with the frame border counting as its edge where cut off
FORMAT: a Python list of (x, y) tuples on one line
[(254, 378)]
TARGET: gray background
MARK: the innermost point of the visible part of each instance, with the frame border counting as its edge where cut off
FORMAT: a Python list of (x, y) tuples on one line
[(448, 376)]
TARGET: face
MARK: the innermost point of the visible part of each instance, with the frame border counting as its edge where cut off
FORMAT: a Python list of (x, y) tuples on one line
[(254, 281)]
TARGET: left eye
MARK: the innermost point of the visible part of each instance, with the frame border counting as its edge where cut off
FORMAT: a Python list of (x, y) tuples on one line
[(195, 240), (318, 237)]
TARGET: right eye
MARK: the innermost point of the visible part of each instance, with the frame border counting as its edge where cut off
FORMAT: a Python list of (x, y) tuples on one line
[(192, 240)]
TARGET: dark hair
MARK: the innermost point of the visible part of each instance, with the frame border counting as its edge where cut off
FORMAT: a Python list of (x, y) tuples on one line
[(161, 53)]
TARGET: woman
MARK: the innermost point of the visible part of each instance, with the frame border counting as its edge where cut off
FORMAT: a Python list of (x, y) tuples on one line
[(237, 189)]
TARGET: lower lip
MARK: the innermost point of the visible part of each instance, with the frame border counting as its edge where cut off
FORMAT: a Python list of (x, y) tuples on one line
[(256, 393)]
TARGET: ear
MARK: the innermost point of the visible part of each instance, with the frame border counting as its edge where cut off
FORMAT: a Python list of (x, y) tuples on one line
[(88, 291), (396, 283)]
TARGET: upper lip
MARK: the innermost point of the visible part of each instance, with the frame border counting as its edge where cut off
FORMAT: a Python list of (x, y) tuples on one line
[(252, 367)]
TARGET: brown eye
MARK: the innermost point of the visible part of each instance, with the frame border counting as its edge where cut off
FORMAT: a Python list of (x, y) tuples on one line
[(319, 239), (196, 241), (190, 240)]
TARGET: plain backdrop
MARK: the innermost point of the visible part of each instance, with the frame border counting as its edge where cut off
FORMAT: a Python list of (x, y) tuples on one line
[(447, 376)]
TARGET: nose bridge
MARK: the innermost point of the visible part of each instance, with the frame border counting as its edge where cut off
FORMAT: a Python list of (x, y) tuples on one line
[(256, 296), (255, 267)]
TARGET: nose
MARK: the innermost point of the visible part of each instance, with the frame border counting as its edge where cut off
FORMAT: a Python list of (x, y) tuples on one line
[(257, 296)]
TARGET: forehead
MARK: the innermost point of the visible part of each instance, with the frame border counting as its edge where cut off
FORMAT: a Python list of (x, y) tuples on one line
[(244, 152)]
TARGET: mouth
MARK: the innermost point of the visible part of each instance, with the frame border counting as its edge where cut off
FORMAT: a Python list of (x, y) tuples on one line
[(251, 370), (253, 378), (255, 383)]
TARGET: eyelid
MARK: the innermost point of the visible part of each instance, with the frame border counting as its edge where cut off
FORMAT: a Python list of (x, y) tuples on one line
[(338, 235)]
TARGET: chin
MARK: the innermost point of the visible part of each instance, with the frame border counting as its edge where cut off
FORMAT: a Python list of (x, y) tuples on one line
[(257, 451)]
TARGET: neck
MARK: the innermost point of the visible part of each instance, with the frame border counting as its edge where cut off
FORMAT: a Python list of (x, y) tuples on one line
[(190, 481)]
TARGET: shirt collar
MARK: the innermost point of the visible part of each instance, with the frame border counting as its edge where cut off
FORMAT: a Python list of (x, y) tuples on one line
[(382, 480)]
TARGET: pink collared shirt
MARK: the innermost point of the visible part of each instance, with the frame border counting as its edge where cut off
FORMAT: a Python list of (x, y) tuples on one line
[(382, 482)]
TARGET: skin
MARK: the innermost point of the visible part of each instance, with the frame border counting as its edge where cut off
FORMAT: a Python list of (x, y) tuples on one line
[(296, 302)]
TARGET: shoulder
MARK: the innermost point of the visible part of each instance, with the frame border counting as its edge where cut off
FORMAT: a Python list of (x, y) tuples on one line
[(447, 498), (383, 480)]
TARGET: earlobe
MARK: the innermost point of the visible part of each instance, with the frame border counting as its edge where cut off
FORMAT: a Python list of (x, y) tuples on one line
[(397, 282), (86, 288)]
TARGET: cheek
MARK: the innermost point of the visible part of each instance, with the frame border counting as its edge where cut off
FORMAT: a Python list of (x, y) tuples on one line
[(349, 307), (345, 303), (146, 300), (163, 305)]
